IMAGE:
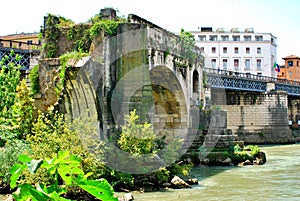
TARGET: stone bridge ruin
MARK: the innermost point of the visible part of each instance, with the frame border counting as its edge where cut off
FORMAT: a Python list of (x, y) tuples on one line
[(142, 67)]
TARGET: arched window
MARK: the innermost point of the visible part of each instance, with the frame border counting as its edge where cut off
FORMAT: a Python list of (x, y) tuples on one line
[(195, 81)]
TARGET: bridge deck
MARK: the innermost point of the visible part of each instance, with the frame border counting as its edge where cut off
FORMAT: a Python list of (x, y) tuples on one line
[(248, 82)]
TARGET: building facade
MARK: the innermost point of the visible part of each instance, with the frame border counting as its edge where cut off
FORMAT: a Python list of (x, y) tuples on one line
[(238, 51), (291, 68), (26, 41)]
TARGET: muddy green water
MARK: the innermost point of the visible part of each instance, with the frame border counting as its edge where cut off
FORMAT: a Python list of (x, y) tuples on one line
[(278, 179)]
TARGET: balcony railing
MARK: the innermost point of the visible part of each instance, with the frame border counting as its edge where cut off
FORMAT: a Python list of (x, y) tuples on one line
[(19, 45)]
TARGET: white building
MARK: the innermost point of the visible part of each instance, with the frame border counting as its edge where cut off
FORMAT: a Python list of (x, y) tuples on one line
[(239, 51)]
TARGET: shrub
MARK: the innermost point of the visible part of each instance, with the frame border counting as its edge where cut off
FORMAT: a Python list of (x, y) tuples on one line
[(50, 134), (140, 141), (137, 138), (8, 157), (254, 149)]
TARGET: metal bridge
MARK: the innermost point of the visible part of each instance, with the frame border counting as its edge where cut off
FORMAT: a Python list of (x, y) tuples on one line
[(23, 49), (248, 82)]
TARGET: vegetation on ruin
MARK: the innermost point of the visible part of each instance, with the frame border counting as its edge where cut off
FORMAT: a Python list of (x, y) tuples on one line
[(80, 36), (42, 136), (187, 45), (64, 59), (34, 80)]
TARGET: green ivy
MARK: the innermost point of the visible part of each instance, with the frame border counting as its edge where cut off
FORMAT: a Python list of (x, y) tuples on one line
[(80, 34), (50, 47), (108, 26), (64, 65), (34, 79)]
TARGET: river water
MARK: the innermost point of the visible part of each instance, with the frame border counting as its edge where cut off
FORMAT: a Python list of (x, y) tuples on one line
[(278, 179)]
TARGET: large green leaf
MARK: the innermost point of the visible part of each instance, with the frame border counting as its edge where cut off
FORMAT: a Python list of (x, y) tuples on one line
[(68, 173), (101, 189), (27, 192), (24, 158), (15, 172)]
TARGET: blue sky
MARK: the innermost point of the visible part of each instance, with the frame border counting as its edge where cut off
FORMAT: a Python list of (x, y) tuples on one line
[(279, 17)]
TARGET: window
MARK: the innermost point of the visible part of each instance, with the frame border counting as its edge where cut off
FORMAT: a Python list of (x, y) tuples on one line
[(247, 64), (258, 50), (236, 50), (290, 73), (236, 38), (212, 38), (213, 50), (225, 38), (236, 64), (290, 63), (225, 62), (213, 63), (201, 38), (247, 50), (225, 50), (258, 38), (247, 38), (258, 64)]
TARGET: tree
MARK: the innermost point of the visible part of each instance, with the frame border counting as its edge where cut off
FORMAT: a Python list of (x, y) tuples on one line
[(137, 138), (9, 79), (187, 42)]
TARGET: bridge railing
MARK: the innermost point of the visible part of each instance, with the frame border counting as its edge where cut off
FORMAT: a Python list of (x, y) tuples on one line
[(250, 76), (19, 45)]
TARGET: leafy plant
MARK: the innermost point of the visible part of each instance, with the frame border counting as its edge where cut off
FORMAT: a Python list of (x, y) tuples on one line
[(76, 56), (187, 43), (79, 34), (254, 149), (9, 80), (22, 111), (237, 148), (61, 167), (34, 79), (52, 133), (109, 27), (50, 48), (8, 157), (137, 138)]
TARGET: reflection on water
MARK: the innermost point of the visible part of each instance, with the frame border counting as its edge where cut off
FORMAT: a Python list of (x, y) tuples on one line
[(278, 179)]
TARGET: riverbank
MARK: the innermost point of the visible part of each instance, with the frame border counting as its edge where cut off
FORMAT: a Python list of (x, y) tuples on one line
[(277, 179)]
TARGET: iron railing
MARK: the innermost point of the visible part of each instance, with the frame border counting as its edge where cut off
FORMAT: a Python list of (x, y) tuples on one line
[(249, 82)]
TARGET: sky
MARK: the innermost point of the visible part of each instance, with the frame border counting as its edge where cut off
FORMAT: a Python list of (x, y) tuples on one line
[(281, 18)]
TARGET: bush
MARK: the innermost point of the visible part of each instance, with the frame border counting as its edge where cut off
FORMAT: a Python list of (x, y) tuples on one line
[(140, 140), (137, 138), (50, 134), (8, 157)]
